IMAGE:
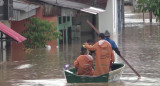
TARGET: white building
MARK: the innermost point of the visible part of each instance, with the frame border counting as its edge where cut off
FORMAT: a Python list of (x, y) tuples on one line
[(111, 19)]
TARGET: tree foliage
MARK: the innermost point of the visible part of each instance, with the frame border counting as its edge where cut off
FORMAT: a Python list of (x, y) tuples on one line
[(39, 32), (150, 5)]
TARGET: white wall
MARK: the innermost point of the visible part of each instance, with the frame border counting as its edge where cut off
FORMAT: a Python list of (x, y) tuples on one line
[(108, 19)]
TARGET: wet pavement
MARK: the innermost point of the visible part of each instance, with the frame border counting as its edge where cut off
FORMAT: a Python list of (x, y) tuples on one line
[(139, 44)]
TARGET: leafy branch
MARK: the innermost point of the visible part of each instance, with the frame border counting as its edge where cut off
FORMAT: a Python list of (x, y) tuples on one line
[(150, 5), (39, 32)]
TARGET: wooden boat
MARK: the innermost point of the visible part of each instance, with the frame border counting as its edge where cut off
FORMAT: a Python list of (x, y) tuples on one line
[(113, 75)]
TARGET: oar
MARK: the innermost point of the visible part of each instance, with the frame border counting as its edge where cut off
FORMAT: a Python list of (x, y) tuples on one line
[(130, 66), (96, 30)]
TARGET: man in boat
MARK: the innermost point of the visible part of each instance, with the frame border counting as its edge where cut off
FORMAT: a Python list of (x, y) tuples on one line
[(113, 44), (84, 63), (104, 55)]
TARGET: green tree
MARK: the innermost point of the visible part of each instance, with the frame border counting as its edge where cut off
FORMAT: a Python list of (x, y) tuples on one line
[(39, 32), (150, 5)]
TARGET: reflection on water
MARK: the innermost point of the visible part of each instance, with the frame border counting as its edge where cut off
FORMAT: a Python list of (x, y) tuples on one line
[(144, 81), (46, 82), (139, 45), (24, 66)]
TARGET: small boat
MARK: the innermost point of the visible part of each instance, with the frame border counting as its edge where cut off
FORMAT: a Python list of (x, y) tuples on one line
[(113, 75)]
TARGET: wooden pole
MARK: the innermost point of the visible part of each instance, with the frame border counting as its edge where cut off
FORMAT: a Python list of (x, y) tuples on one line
[(96, 30), (130, 67)]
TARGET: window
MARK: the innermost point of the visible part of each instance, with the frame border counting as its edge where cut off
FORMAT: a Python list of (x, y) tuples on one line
[(64, 19), (60, 21), (68, 18)]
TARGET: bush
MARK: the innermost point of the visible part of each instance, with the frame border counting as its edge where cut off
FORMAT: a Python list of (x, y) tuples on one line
[(39, 32)]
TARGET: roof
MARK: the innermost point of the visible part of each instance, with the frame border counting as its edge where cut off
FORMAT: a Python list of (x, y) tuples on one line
[(23, 6), (11, 33), (74, 5), (92, 10), (96, 3)]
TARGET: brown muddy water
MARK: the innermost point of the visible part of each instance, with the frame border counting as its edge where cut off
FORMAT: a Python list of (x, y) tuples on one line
[(139, 44)]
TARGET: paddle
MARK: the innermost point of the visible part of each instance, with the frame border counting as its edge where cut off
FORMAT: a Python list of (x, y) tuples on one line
[(96, 30), (130, 66)]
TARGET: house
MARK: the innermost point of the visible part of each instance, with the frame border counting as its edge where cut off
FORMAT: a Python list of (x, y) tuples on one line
[(25, 10), (70, 17), (103, 14), (109, 19)]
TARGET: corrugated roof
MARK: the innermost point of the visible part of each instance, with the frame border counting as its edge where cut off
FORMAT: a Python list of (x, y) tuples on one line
[(23, 6), (73, 5), (65, 3), (11, 33), (96, 3)]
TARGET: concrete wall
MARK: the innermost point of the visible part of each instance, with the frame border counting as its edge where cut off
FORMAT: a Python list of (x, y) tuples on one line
[(17, 49)]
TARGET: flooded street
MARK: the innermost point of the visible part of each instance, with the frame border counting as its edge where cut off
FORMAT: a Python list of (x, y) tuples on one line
[(140, 47), (139, 44)]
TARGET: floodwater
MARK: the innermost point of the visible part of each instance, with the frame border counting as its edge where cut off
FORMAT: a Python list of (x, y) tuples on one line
[(139, 44)]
